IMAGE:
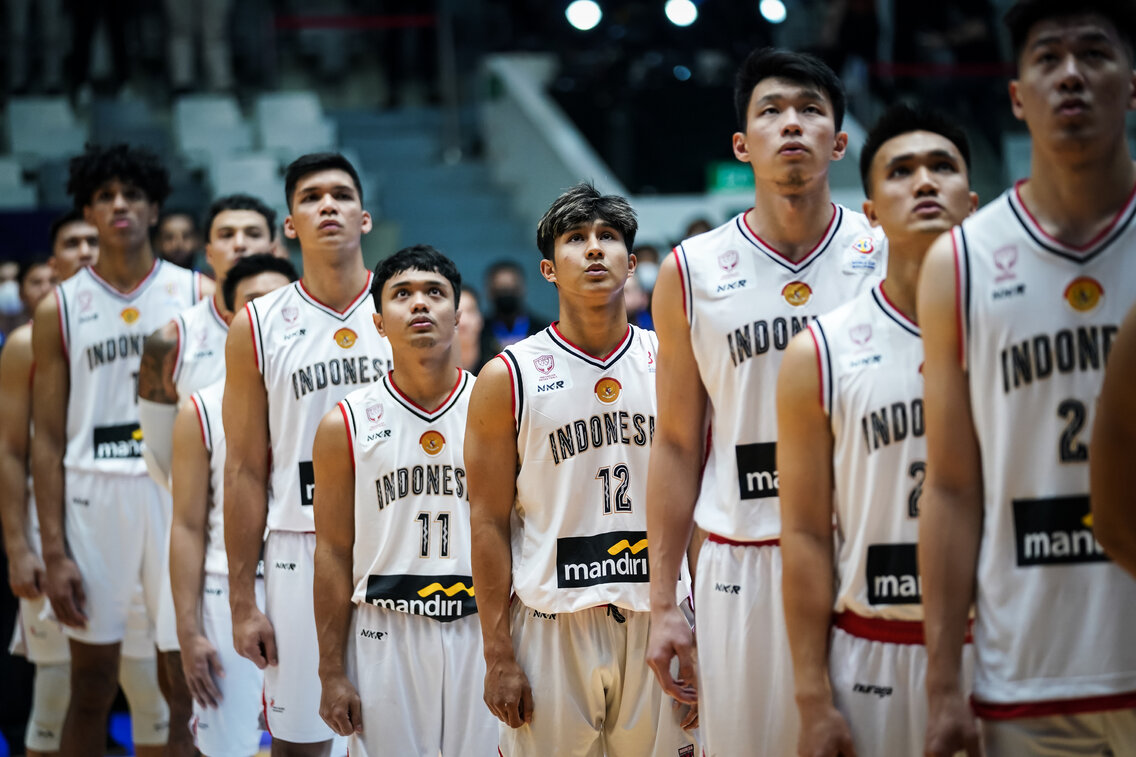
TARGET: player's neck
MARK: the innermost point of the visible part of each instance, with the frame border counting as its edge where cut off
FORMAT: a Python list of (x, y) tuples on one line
[(219, 301), (903, 276), (124, 268), (791, 224), (1074, 201), (335, 282), (595, 330), (426, 377)]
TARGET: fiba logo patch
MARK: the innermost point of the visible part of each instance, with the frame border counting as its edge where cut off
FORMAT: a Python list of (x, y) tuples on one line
[(796, 293), (865, 245), (728, 260), (432, 443), (1084, 293), (544, 364), (345, 338), (290, 314), (129, 315), (608, 390)]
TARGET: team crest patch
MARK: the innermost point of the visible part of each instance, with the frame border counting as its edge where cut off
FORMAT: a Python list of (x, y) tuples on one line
[(171, 289), (607, 390), (290, 313), (1084, 293), (865, 245), (544, 364), (728, 260), (1004, 260), (129, 315), (345, 338), (860, 334), (432, 442), (796, 293), (84, 301), (375, 413)]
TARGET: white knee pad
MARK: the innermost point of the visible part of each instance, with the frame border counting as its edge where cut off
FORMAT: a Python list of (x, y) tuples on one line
[(51, 695), (149, 715)]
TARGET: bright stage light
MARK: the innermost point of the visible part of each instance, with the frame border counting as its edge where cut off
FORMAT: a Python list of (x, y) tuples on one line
[(772, 10), (681, 12), (584, 14)]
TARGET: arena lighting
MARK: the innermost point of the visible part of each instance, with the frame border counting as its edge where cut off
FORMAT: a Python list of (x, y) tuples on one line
[(772, 11), (681, 12), (584, 14)]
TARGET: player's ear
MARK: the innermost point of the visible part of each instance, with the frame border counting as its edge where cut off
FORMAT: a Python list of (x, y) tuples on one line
[(548, 270), (289, 227), (840, 145), (741, 149), (1015, 101), (378, 319), (870, 212), (366, 222), (632, 261)]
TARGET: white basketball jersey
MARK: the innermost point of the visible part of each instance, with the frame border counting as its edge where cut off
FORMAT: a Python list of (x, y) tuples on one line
[(870, 358), (584, 431), (412, 533), (201, 335), (207, 403), (311, 356), (1055, 618), (103, 331), (745, 301)]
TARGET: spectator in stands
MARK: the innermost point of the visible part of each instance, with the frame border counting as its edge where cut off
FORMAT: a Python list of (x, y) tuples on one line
[(697, 226), (179, 239), (199, 25), (11, 308), (638, 301), (24, 47), (647, 267), (85, 18), (509, 320), (476, 345)]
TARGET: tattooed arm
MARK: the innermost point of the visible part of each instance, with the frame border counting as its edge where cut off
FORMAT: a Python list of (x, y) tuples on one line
[(157, 400)]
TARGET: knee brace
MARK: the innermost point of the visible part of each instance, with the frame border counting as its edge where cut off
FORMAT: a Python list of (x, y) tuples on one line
[(149, 715), (50, 697)]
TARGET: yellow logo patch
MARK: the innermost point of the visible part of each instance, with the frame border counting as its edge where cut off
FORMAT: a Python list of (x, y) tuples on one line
[(432, 442), (1084, 293), (607, 390), (345, 338), (796, 293), (130, 315)]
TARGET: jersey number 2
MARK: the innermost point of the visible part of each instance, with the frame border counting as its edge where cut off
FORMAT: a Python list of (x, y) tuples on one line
[(1071, 449)]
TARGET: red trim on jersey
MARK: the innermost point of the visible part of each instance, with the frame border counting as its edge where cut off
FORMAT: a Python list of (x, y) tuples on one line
[(820, 369), (264, 709), (614, 350), (778, 253), (891, 304), (365, 291), (131, 290), (347, 426), (62, 327), (958, 302), (880, 629), (252, 333), (1076, 247), (681, 282), (733, 543), (390, 376), (200, 419), (512, 387), (993, 711)]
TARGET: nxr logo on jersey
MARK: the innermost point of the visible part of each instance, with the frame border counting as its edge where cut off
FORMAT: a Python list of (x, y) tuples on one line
[(307, 483), (616, 557), (892, 572), (432, 442), (796, 293), (120, 442), (442, 598), (1084, 293), (1055, 531), (608, 390), (730, 286), (757, 470), (129, 315), (345, 338), (550, 387)]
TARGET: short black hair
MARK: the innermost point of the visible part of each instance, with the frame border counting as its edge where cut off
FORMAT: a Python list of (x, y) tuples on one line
[(254, 265), (317, 161), (504, 265), (1025, 14), (902, 118), (71, 216), (776, 63), (240, 202), (580, 205), (27, 265), (134, 165), (419, 257)]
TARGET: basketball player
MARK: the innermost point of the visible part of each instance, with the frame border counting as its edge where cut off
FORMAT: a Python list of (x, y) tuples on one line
[(40, 639), (1114, 518), (572, 410), (86, 456), (290, 357), (226, 688), (397, 632), (187, 353), (725, 305), (858, 453), (1018, 307)]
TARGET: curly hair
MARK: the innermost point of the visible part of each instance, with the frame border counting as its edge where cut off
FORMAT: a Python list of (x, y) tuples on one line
[(134, 165)]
